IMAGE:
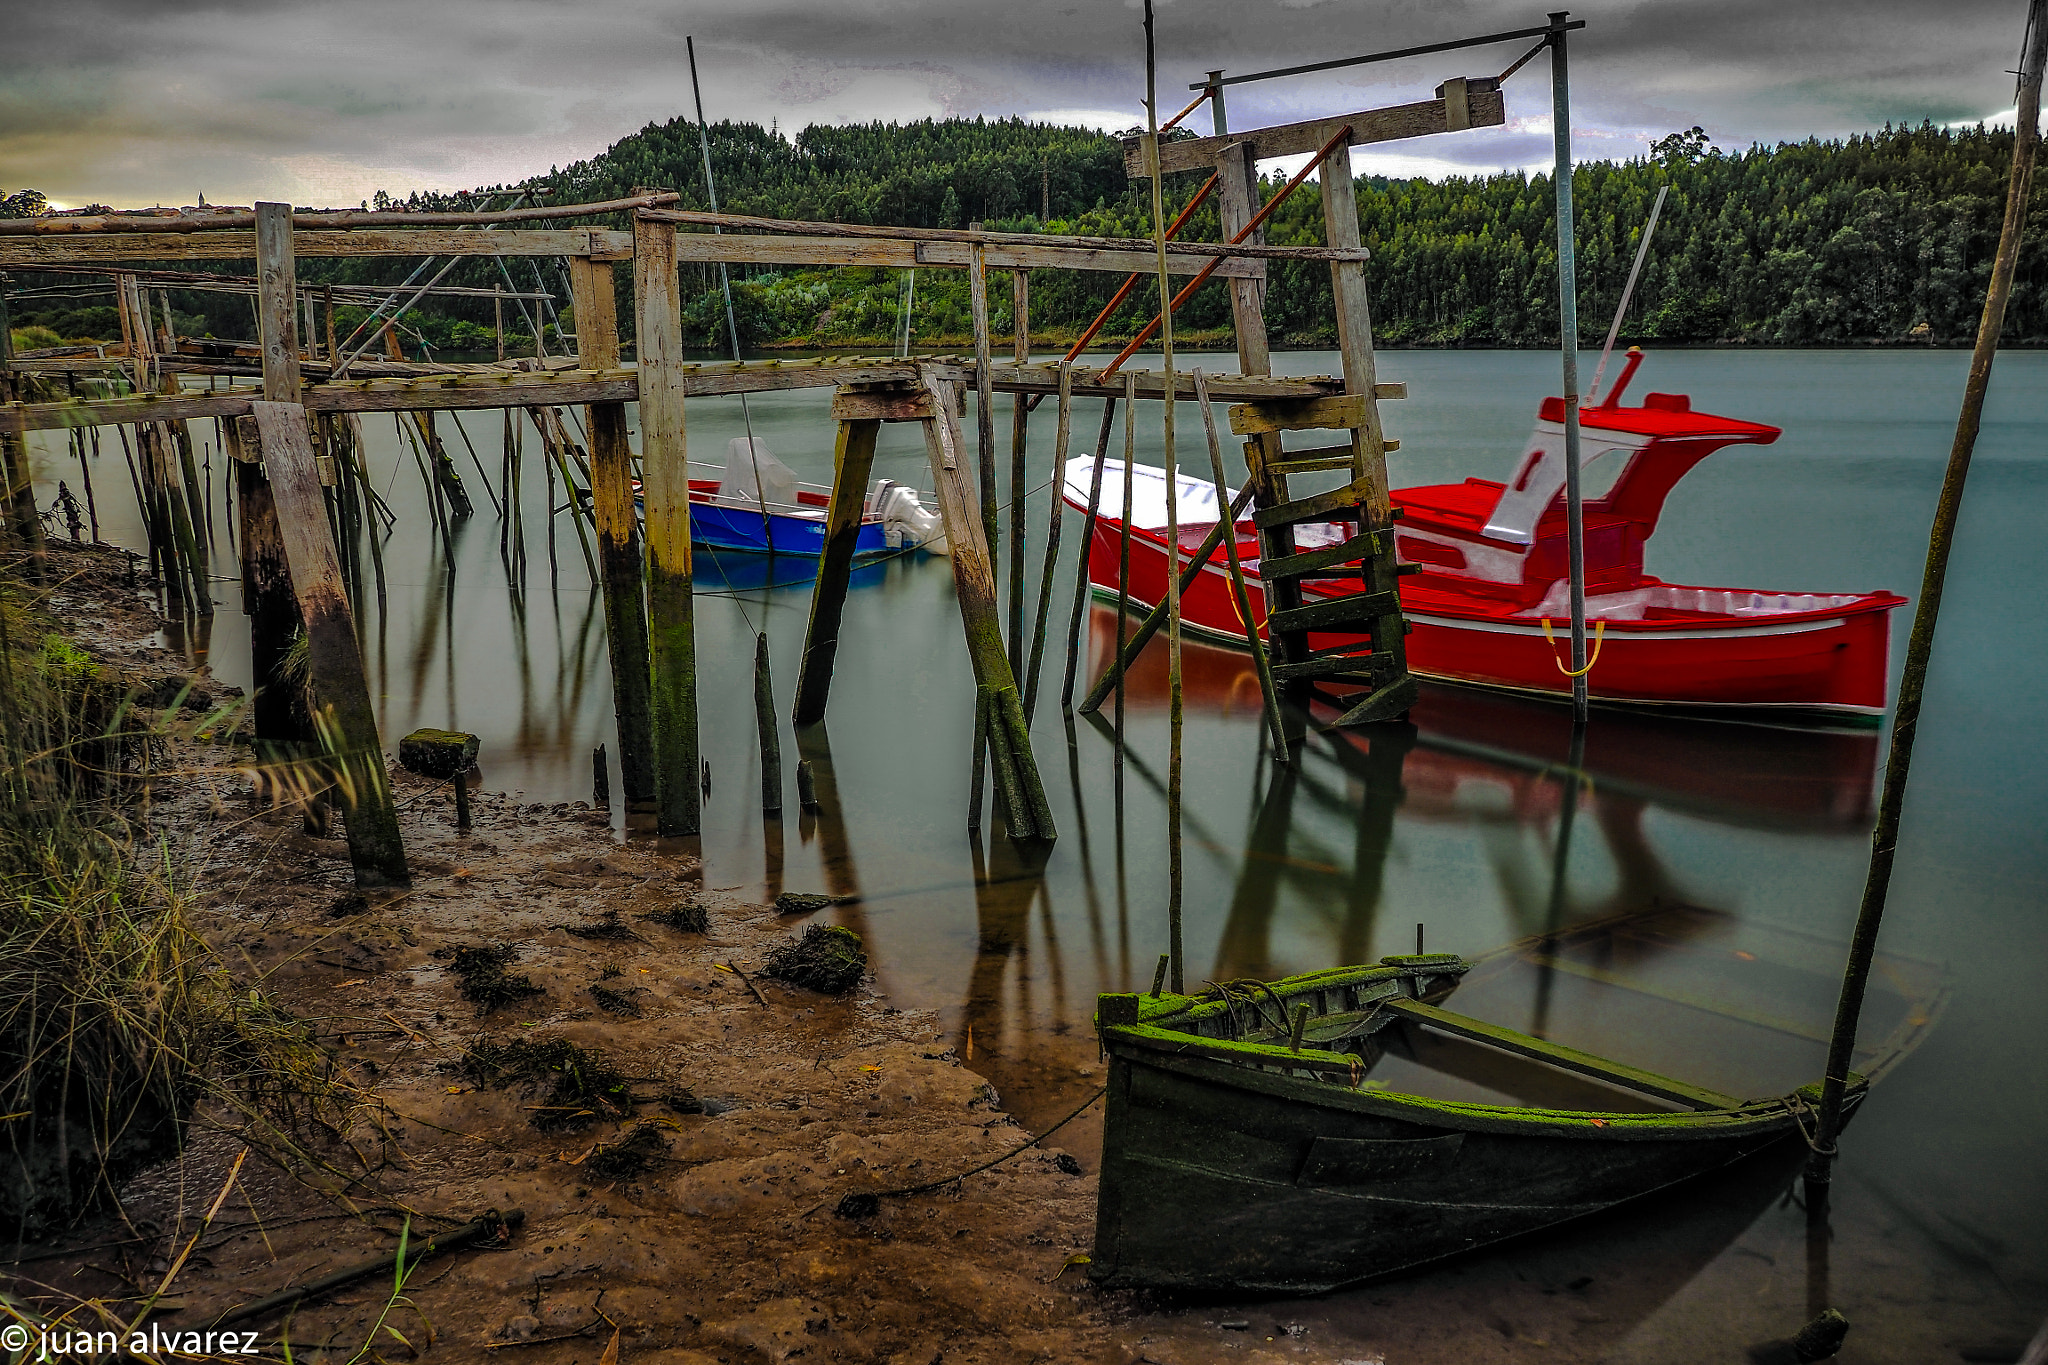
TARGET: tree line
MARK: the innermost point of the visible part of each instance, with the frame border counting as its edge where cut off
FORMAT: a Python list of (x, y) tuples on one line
[(1883, 237)]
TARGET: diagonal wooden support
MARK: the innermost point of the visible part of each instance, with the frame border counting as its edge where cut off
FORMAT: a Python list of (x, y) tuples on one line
[(853, 456), (344, 720), (1017, 770)]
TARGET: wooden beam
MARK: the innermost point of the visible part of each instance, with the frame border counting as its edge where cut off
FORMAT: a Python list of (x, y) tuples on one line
[(267, 595), (28, 252), (886, 405), (990, 241), (494, 388), (1486, 109), (905, 255), (664, 447), (344, 719), (853, 457), (1314, 414), (618, 530), (177, 221)]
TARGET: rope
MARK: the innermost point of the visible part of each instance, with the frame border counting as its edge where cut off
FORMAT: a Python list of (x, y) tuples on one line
[(931, 1185), (1800, 1109), (1599, 633)]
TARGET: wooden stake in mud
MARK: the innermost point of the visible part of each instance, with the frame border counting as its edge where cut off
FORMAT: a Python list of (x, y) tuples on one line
[(1020, 416), (1123, 565), (853, 457), (618, 530), (344, 720), (1052, 536), (1081, 578), (984, 393), (600, 778), (1269, 697), (671, 613), (771, 738), (14, 467), (1920, 644)]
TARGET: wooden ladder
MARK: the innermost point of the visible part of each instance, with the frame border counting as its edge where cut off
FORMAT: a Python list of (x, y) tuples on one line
[(1378, 662)]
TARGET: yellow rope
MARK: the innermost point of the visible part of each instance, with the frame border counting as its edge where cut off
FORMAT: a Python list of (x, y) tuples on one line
[(1599, 633)]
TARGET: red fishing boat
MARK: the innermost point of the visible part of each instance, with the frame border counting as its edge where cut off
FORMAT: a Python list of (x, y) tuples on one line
[(1489, 601)]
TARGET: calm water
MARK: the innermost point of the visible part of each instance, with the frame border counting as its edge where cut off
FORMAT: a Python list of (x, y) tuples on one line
[(1941, 1201)]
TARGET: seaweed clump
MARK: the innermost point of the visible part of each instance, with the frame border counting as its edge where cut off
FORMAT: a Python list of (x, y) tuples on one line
[(631, 1155), (687, 915), (581, 1087), (480, 971), (828, 960)]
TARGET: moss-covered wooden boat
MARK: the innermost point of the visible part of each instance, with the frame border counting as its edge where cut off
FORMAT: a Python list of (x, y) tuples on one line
[(1234, 1158)]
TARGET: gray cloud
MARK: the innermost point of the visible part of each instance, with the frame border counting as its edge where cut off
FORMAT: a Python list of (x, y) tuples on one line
[(134, 102)]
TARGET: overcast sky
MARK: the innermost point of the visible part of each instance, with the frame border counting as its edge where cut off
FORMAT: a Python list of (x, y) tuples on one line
[(137, 102)]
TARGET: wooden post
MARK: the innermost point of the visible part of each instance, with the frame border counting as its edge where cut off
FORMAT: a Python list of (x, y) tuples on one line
[(1568, 353), (984, 391), (853, 456), (1268, 697), (1020, 416), (771, 738), (618, 529), (1061, 434), (267, 596), (665, 464), (1009, 750), (14, 465), (344, 719)]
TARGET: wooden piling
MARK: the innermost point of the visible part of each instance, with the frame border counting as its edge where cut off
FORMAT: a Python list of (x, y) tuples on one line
[(984, 392), (1020, 417), (618, 530), (853, 457), (267, 596), (14, 468), (1123, 562), (671, 619), (600, 778), (344, 719), (1061, 433), (1009, 747), (1081, 577), (771, 738)]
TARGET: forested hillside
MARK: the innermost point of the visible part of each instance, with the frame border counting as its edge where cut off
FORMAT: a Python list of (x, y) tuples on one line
[(1885, 237)]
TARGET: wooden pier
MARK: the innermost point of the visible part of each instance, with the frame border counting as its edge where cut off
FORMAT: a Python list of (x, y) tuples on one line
[(286, 474)]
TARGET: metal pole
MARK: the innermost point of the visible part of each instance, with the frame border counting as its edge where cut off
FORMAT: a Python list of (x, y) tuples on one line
[(732, 325), (1628, 292), (1568, 347), (1920, 644)]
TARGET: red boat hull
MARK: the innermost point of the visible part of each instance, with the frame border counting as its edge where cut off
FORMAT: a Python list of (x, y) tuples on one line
[(1830, 662)]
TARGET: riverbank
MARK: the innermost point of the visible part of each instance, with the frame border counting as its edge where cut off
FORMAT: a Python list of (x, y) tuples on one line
[(697, 1214)]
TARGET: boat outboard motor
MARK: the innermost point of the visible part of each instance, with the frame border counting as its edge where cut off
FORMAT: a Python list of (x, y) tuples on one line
[(905, 518)]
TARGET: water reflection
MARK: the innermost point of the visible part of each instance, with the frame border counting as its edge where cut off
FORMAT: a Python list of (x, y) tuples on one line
[(1461, 825)]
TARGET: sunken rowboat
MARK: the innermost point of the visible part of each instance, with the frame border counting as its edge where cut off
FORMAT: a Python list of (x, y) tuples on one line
[(1257, 1137)]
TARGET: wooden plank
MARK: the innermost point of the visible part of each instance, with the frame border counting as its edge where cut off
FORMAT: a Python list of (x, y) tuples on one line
[(277, 328), (1320, 505), (1564, 1058), (267, 594), (853, 457), (618, 530), (816, 252), (664, 448), (344, 718), (1331, 559), (28, 252), (974, 235), (1332, 413), (1487, 109), (1332, 613), (1364, 669), (882, 406), (213, 219)]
